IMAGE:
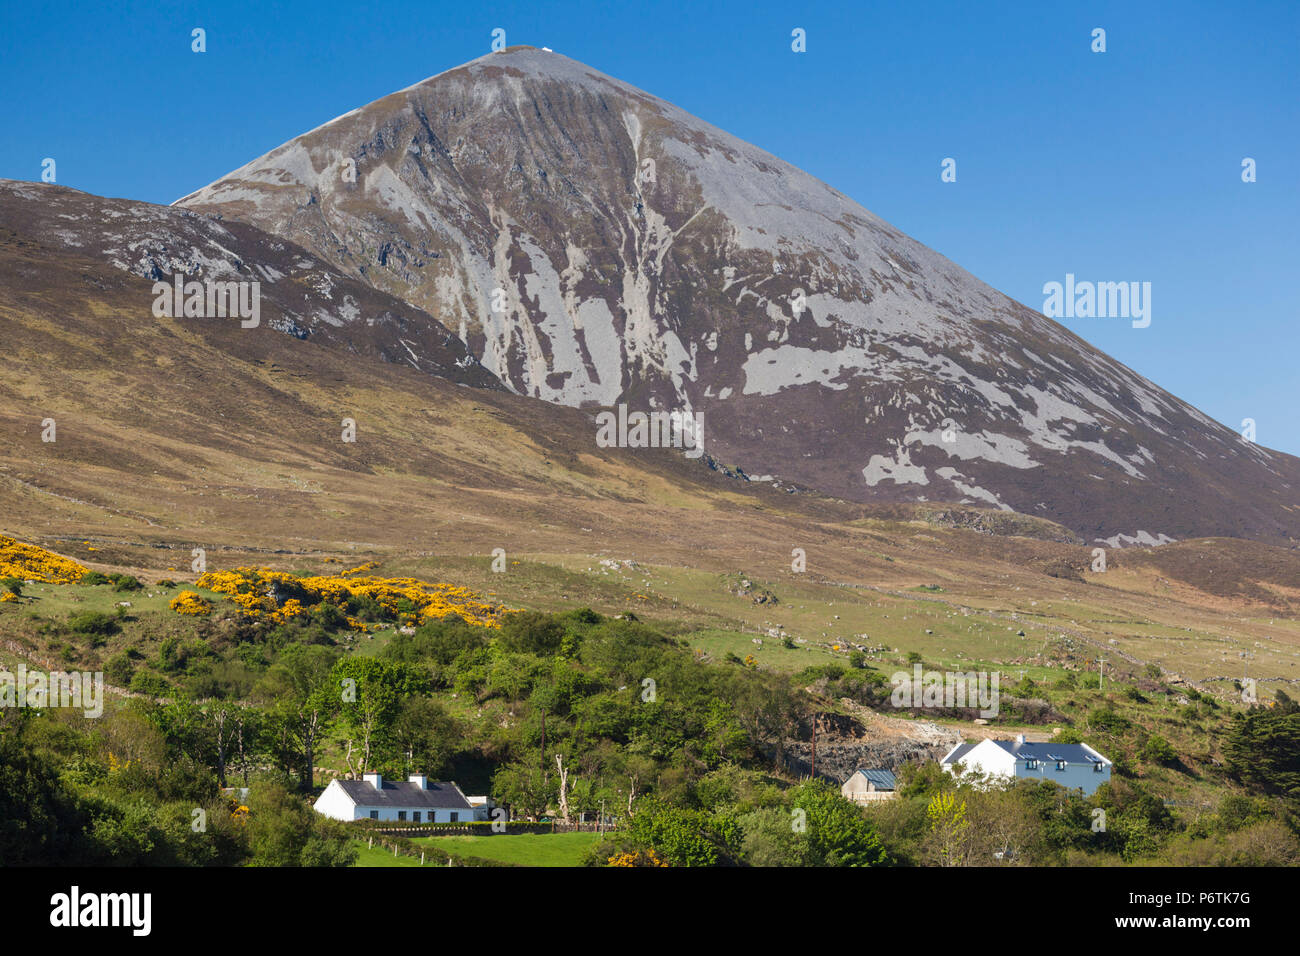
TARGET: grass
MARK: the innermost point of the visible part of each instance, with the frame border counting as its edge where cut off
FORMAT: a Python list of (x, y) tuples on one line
[(523, 849), (379, 857)]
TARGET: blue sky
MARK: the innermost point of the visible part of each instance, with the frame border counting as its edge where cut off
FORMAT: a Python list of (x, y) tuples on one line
[(1115, 166)]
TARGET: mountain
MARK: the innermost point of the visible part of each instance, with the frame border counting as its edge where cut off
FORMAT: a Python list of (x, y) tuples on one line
[(171, 431), (300, 295), (591, 244)]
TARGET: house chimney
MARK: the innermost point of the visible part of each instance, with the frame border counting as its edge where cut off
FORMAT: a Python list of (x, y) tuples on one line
[(421, 780), (1020, 739), (374, 779)]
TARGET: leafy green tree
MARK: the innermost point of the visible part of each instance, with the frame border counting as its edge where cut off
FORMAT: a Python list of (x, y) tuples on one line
[(371, 692), (949, 828), (40, 818), (838, 832), (283, 831), (771, 838), (531, 632), (305, 701), (681, 837), (425, 735)]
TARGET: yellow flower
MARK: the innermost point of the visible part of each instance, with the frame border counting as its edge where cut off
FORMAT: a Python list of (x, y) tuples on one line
[(250, 589), (189, 602), (32, 563)]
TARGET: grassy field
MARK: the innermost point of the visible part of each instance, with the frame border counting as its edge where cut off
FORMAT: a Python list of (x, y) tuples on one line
[(523, 849), (379, 857)]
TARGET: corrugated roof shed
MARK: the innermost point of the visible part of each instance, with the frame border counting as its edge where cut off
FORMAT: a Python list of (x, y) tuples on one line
[(883, 779)]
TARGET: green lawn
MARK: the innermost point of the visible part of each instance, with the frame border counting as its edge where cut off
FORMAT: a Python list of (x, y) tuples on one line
[(378, 856), (525, 849)]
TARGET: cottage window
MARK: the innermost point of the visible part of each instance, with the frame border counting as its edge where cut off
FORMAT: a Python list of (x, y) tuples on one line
[(374, 814), (455, 817), (416, 816), (1031, 764), (1097, 766), (401, 814), (1060, 765)]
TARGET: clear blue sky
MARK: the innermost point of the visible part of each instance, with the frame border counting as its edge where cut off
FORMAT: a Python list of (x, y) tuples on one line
[(1124, 165)]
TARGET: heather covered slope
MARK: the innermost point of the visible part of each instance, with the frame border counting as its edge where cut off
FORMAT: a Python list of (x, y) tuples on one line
[(299, 296), (590, 243)]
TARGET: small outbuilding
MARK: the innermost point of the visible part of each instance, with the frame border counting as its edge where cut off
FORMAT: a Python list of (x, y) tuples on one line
[(869, 786)]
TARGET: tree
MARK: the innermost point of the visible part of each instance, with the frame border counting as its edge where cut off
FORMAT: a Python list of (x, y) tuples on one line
[(371, 692), (772, 839), (946, 813), (306, 701), (531, 632), (838, 832), (1262, 750), (523, 788), (425, 735), (680, 837), (283, 831)]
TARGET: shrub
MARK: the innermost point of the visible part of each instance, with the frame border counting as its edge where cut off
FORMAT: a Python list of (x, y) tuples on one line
[(119, 670), (531, 632), (93, 578), (150, 684), (1158, 750), (329, 616), (191, 602), (1107, 720), (93, 622), (125, 582), (12, 585)]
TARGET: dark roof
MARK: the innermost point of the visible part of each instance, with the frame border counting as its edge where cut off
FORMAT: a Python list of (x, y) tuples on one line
[(404, 795), (1070, 753), (883, 779), (958, 752)]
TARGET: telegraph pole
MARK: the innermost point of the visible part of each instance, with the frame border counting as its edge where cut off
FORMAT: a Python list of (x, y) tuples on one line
[(814, 746), (1102, 683)]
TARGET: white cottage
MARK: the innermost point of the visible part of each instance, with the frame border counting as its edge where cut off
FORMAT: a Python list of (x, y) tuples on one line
[(1073, 766), (415, 800)]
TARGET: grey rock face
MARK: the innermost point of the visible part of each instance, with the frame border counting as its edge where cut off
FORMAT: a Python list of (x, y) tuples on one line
[(591, 244)]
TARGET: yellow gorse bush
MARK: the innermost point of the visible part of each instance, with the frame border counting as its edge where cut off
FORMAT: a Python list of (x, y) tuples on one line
[(250, 589), (31, 563), (640, 858), (188, 602)]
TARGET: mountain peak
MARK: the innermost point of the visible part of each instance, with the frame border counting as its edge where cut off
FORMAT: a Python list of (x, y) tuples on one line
[(592, 244)]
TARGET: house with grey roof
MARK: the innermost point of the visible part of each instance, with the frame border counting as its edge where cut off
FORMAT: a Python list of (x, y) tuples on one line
[(1073, 766), (414, 800), (870, 786)]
